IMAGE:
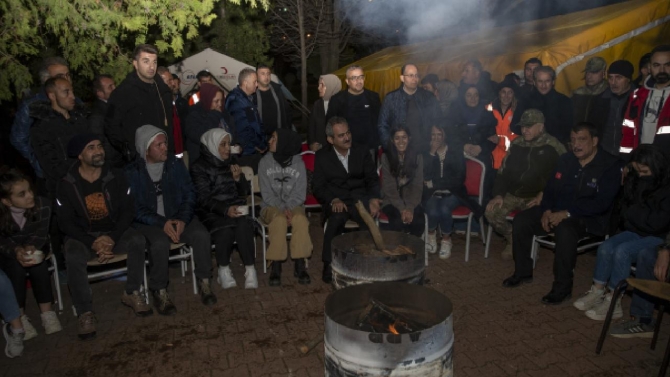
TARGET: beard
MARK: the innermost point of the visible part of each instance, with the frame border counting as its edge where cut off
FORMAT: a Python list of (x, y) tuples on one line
[(662, 78)]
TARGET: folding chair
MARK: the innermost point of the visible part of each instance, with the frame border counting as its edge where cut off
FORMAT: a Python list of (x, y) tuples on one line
[(474, 184), (185, 253), (53, 268), (584, 244), (509, 217)]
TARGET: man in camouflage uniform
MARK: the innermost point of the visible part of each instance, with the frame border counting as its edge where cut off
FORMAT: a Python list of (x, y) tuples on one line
[(595, 83), (523, 174)]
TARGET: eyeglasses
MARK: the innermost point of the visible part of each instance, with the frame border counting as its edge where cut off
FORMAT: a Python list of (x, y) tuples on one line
[(357, 78), (413, 76)]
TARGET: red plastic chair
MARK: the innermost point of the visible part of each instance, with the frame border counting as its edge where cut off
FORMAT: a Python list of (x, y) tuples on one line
[(474, 184), (308, 158)]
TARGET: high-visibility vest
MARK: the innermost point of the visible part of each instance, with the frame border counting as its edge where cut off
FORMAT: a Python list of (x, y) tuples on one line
[(195, 98), (632, 121), (504, 132)]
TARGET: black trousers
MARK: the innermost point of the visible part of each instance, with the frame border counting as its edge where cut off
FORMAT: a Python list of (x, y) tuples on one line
[(40, 279), (416, 227), (242, 233), (336, 222), (567, 235)]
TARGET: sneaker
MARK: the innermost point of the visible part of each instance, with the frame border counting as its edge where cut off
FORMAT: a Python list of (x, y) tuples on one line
[(137, 302), (28, 328), (251, 281), (226, 278), (431, 244), (86, 328), (599, 312), (206, 295), (275, 274), (591, 299), (163, 304), (445, 249), (300, 272), (50, 322), (507, 252), (632, 329), (14, 341)]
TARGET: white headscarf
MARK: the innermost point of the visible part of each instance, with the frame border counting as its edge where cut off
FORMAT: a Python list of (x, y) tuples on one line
[(212, 138)]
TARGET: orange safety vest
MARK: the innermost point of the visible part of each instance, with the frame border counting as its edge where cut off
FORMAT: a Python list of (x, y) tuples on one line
[(504, 132), (194, 98)]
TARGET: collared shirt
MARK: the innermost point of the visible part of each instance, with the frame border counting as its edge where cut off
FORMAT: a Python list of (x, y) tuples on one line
[(344, 159)]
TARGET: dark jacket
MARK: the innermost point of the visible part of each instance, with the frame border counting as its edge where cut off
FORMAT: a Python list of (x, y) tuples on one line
[(558, 113), (20, 133), (607, 116), (599, 183), (283, 107), (199, 121), (583, 101), (317, 124), (133, 104), (477, 134), (332, 181), (182, 106), (215, 189), (248, 127), (71, 212), (178, 192), (338, 106), (49, 137), (527, 166), (394, 111), (650, 217), (35, 231), (97, 126)]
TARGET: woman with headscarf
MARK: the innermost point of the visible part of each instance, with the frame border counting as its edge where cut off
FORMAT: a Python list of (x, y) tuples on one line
[(208, 113), (328, 86), (221, 197), (283, 183)]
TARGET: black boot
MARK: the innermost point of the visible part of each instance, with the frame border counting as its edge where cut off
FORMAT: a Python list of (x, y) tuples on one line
[(327, 276), (300, 272), (275, 274)]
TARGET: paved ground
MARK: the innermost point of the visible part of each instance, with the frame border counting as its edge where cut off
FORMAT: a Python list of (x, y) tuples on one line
[(498, 331)]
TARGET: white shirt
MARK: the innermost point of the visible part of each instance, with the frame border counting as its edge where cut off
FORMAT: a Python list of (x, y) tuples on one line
[(650, 120), (344, 159)]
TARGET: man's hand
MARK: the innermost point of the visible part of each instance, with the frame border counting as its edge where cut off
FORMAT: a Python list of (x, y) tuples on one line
[(237, 172), (232, 212), (494, 139), (23, 257), (315, 146), (536, 200), (545, 220), (497, 201), (170, 229), (407, 216), (556, 218), (338, 206), (661, 267), (374, 207), (180, 225), (289, 216), (261, 151)]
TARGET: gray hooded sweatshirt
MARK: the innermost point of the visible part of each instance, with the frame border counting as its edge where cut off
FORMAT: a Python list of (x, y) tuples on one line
[(282, 188), (144, 136)]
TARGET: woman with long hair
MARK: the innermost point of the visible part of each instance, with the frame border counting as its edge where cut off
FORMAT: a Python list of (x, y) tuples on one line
[(402, 183), (24, 229), (645, 219)]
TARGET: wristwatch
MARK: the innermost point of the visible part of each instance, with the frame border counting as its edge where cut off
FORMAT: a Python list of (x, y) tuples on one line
[(568, 212)]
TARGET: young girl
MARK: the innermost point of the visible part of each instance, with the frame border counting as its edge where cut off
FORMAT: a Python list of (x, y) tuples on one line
[(24, 226)]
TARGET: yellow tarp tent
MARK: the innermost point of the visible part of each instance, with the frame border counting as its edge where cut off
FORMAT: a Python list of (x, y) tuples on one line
[(621, 31)]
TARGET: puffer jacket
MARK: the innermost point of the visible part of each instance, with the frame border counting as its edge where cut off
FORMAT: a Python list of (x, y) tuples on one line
[(248, 125), (651, 217), (215, 188)]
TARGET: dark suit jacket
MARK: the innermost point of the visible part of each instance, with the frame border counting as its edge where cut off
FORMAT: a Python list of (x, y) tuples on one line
[(317, 124), (332, 181)]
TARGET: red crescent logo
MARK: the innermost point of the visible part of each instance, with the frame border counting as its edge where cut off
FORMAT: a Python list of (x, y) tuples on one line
[(225, 71)]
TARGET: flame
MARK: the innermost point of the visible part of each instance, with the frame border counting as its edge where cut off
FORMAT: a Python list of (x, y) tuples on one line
[(392, 329)]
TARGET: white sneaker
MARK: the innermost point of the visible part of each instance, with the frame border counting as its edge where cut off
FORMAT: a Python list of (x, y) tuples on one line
[(590, 299), (251, 281), (14, 346), (445, 249), (431, 244), (226, 278), (50, 322), (599, 312), (28, 328)]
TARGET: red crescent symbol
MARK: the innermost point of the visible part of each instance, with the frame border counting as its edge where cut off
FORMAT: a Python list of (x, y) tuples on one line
[(225, 71)]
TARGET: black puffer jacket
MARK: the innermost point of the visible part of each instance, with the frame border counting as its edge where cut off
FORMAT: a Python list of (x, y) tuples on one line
[(650, 217), (215, 189)]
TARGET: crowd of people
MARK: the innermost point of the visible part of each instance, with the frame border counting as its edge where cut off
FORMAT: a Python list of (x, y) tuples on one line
[(147, 168)]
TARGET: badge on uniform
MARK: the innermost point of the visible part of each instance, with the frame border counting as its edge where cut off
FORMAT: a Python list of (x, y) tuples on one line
[(558, 175), (593, 183)]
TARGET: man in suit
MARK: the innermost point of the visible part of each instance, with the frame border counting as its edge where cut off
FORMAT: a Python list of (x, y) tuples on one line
[(343, 175)]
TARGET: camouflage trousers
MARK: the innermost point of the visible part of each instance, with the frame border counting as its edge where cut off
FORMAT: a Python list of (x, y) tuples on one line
[(497, 217)]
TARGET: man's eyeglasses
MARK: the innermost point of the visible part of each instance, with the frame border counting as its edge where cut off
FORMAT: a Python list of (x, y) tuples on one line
[(357, 78), (413, 76)]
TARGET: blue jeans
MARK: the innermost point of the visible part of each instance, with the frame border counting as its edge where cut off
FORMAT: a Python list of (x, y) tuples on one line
[(439, 211), (9, 308), (642, 306), (617, 254)]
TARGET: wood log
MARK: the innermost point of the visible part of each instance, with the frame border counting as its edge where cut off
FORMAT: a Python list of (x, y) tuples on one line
[(305, 348), (370, 222)]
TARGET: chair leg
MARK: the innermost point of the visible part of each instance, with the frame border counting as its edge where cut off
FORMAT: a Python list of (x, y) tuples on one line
[(146, 284), (467, 239), (608, 319), (184, 266), (195, 285), (488, 242), (657, 327), (483, 230), (264, 240), (666, 359), (425, 236), (57, 283), (534, 249)]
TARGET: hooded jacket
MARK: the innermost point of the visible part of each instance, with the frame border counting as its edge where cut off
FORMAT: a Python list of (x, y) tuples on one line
[(557, 109), (248, 126), (178, 190), (635, 112), (283, 188), (394, 111), (73, 217), (133, 104), (651, 217), (49, 137)]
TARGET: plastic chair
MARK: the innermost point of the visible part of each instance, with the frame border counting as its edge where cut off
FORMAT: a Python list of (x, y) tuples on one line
[(509, 217), (54, 269), (308, 158), (185, 253), (474, 184)]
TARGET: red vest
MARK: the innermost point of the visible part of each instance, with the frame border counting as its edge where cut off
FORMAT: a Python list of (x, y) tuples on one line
[(634, 116)]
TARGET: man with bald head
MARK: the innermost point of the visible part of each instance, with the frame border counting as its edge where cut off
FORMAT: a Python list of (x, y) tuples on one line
[(411, 105)]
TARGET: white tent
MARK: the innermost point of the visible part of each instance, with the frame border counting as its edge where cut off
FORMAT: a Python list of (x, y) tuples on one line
[(224, 69)]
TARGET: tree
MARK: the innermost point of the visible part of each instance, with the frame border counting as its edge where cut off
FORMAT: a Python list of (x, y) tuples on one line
[(95, 35), (296, 25), (335, 34)]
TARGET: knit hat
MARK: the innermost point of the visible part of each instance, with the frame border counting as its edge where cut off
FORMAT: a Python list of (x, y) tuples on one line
[(207, 94), (78, 142), (508, 83), (623, 68)]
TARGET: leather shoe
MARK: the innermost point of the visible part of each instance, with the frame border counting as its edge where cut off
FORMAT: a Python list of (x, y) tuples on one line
[(514, 281), (327, 276), (553, 298)]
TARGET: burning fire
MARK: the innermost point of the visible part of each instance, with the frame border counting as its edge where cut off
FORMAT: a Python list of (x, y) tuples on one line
[(392, 329)]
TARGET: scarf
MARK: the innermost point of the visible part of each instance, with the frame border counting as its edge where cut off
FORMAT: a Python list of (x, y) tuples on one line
[(211, 139)]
